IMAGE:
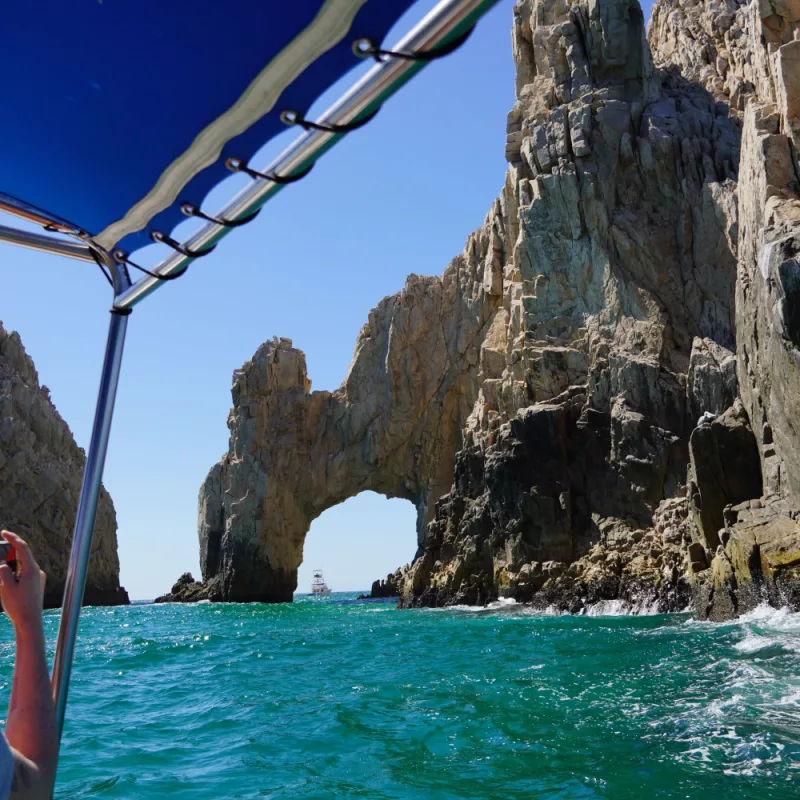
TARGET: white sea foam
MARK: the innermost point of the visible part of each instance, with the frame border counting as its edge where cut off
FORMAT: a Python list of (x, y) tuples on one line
[(768, 632), (759, 702), (553, 611), (773, 617), (622, 608), (502, 602), (498, 605), (753, 643)]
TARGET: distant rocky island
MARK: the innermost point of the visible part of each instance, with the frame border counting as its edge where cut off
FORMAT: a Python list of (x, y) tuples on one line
[(599, 399), (41, 469)]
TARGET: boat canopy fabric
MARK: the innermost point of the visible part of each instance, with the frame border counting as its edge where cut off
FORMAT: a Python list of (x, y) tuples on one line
[(113, 113)]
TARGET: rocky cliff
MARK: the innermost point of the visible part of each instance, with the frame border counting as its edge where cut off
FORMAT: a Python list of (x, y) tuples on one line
[(41, 469), (597, 399)]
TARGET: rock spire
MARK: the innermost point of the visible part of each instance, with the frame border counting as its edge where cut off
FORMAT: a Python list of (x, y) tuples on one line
[(41, 469)]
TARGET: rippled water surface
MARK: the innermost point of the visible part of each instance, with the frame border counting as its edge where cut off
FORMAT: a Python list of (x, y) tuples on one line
[(341, 699)]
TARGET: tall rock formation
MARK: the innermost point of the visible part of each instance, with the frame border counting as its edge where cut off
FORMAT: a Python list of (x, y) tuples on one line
[(620, 290), (41, 469), (393, 426), (562, 405), (749, 55)]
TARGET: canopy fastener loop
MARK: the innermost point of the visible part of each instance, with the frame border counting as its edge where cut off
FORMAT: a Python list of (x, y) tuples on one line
[(290, 117), (162, 238), (122, 257), (366, 48), (237, 165), (193, 211)]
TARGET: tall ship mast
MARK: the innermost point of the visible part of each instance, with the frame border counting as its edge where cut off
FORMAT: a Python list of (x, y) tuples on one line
[(318, 586)]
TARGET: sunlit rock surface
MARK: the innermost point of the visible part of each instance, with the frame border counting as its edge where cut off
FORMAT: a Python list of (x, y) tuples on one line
[(566, 404), (41, 469)]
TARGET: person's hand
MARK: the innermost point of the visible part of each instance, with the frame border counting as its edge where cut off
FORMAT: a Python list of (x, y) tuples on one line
[(22, 594)]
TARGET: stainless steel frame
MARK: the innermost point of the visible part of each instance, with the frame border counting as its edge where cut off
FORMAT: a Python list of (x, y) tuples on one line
[(47, 244), (447, 20)]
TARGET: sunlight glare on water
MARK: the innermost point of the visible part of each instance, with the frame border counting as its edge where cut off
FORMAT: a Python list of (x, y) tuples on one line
[(343, 699)]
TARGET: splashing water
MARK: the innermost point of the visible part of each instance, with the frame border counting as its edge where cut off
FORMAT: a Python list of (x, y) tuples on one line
[(344, 699)]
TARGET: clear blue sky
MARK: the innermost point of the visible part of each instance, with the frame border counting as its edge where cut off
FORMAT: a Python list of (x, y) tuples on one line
[(398, 196)]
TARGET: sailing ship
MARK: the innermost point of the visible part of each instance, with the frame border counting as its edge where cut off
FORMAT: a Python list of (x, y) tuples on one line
[(318, 586)]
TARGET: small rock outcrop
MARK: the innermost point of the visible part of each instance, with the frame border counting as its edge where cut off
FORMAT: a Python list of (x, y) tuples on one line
[(386, 587), (187, 590), (598, 400), (41, 469)]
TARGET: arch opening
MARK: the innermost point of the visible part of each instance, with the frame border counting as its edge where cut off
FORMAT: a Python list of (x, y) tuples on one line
[(358, 541)]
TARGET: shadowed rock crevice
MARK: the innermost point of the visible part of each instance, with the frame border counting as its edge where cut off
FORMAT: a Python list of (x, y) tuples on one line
[(789, 274)]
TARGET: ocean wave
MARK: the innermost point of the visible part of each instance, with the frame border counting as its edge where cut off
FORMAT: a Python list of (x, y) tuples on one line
[(762, 645), (604, 608), (776, 618)]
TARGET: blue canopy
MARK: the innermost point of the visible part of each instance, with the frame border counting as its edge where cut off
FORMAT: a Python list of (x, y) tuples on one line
[(113, 113)]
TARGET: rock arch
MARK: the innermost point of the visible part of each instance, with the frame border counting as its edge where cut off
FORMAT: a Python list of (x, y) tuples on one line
[(542, 392), (393, 426)]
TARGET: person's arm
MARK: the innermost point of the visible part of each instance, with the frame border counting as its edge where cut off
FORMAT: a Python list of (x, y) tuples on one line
[(31, 725)]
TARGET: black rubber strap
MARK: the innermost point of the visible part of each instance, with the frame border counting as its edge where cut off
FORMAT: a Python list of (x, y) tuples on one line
[(193, 211), (121, 312), (122, 257), (289, 117), (237, 165), (366, 48), (162, 238), (102, 266)]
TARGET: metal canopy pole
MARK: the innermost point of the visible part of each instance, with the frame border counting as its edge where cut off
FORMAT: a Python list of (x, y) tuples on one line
[(87, 505), (46, 244)]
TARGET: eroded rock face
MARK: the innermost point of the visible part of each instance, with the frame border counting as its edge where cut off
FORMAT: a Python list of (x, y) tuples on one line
[(761, 49), (41, 469), (542, 401), (624, 178), (393, 426)]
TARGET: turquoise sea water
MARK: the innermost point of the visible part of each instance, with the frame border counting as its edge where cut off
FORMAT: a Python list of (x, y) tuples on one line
[(341, 699)]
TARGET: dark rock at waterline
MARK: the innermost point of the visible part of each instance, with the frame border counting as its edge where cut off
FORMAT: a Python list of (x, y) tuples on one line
[(187, 590), (725, 470), (757, 562), (569, 594), (385, 588), (92, 596)]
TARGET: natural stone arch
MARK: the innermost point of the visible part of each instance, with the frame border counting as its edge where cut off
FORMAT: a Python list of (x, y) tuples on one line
[(392, 427)]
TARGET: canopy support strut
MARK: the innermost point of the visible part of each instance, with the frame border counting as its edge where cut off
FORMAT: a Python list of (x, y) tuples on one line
[(90, 492)]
